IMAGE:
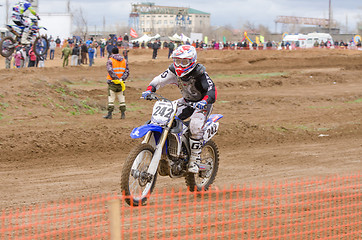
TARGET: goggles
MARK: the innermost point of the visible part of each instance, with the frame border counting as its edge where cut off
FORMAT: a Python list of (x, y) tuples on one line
[(183, 62)]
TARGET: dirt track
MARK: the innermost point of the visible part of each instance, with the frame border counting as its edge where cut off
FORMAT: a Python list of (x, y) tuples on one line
[(287, 115)]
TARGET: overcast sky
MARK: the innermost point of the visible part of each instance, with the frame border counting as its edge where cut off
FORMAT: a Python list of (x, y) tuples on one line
[(232, 12)]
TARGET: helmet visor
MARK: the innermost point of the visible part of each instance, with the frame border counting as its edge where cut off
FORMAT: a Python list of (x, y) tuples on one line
[(183, 62)]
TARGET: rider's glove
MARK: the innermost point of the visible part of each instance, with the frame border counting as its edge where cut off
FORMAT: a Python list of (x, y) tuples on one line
[(145, 94), (201, 105)]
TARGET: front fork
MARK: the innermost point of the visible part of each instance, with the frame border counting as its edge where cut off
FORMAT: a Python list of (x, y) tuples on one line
[(152, 169)]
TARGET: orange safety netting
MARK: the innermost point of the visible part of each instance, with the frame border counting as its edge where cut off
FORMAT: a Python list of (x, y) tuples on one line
[(329, 208)]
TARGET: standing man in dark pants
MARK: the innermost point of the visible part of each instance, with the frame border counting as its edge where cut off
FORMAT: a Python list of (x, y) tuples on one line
[(155, 46), (83, 53), (171, 47)]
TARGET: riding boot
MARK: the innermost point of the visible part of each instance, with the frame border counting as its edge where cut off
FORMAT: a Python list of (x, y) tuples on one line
[(122, 108), (24, 38), (109, 115), (195, 158)]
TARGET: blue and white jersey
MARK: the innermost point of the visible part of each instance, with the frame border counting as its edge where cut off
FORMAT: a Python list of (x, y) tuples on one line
[(21, 7)]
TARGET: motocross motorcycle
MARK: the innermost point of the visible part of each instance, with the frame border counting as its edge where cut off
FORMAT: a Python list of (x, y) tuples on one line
[(165, 151), (40, 45)]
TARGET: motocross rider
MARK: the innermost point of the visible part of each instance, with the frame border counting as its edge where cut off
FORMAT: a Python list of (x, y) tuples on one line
[(19, 9), (196, 88)]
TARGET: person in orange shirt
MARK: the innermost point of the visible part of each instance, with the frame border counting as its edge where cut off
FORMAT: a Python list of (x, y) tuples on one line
[(118, 72)]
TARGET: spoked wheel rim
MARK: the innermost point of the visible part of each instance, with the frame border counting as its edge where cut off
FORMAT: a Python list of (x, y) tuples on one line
[(7, 49), (207, 158), (40, 46), (139, 185)]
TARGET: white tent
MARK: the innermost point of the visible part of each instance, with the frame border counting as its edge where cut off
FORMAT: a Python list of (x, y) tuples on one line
[(184, 38), (146, 38), (143, 38), (179, 38)]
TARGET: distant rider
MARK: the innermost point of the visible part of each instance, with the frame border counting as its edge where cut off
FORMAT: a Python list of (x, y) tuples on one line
[(17, 16), (196, 88)]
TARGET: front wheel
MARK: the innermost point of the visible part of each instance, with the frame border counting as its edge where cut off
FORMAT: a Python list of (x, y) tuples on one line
[(209, 158), (40, 46), (7, 46), (136, 183)]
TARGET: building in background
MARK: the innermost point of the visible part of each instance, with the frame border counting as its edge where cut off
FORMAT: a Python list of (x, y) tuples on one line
[(164, 20), (57, 24)]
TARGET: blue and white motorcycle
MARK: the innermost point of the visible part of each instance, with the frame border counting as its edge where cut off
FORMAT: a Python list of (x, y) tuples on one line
[(39, 42), (165, 151)]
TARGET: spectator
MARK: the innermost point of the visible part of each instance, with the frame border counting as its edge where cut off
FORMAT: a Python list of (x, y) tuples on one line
[(18, 59), (126, 38), (75, 55), (65, 55), (119, 41), (23, 57), (89, 42), (8, 61), (171, 47), (125, 54), (322, 44), (155, 46), (91, 54), (83, 53), (70, 42), (26, 59), (57, 41), (95, 46), (110, 46), (118, 72), (41, 61), (32, 58), (102, 48), (52, 46)]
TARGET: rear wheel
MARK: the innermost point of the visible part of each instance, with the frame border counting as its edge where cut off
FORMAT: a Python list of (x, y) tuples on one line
[(7, 46), (136, 183), (40, 46), (210, 158)]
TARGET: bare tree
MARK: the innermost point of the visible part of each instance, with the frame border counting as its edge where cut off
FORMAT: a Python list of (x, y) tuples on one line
[(250, 27), (81, 24)]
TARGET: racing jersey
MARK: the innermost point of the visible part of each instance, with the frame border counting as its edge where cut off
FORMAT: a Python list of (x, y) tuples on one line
[(20, 8), (195, 86)]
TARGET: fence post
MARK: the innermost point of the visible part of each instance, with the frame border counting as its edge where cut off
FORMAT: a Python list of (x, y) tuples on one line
[(114, 208)]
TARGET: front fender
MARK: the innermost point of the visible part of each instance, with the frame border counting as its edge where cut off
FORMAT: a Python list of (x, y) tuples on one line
[(141, 131)]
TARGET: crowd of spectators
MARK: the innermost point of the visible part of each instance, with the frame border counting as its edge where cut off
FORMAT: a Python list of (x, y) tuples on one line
[(83, 52)]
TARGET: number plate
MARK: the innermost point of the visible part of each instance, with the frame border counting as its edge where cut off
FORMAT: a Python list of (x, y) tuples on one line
[(162, 113), (211, 130)]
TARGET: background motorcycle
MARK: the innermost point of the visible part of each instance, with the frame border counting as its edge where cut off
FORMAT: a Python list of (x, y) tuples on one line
[(165, 151), (40, 45)]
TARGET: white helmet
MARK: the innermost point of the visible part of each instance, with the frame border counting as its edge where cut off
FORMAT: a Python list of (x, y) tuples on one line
[(184, 59)]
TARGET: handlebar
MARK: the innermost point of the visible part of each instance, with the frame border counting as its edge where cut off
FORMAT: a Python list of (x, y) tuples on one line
[(157, 97)]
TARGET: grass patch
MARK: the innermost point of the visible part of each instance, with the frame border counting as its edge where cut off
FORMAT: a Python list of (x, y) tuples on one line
[(88, 109), (356, 101), (3, 105), (134, 107), (323, 107)]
